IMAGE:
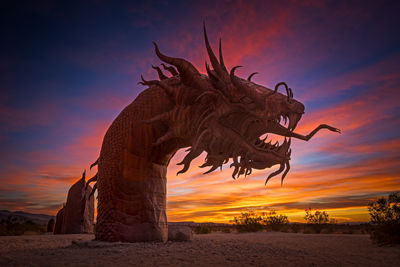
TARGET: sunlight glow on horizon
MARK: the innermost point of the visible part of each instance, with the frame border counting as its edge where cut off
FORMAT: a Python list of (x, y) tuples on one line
[(341, 60)]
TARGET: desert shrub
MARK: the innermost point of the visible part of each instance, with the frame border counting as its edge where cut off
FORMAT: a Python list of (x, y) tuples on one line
[(254, 222), (316, 220), (385, 217), (275, 222), (318, 217), (248, 222), (11, 226), (202, 229)]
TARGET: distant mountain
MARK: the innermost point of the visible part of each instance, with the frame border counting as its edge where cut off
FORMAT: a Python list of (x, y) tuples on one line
[(22, 216)]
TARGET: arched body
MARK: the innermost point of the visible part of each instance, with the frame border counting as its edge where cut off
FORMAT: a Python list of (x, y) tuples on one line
[(218, 113), (77, 216)]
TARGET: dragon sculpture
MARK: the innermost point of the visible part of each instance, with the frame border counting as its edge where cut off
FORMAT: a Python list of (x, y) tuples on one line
[(218, 113), (76, 216)]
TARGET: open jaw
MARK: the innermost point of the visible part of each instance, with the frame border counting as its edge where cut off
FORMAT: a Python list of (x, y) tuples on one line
[(244, 139), (256, 150)]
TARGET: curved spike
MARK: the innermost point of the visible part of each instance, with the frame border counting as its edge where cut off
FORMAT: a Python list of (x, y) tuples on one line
[(189, 74), (213, 59), (160, 117), (93, 190), (171, 69), (94, 164), (209, 92), (213, 168), (93, 179), (169, 135), (251, 75), (236, 164), (281, 168), (169, 90), (200, 138), (206, 164), (204, 114), (188, 159), (241, 171), (84, 175), (291, 92), (221, 59), (235, 172), (210, 74), (160, 73), (232, 73), (286, 171), (248, 171), (286, 87)]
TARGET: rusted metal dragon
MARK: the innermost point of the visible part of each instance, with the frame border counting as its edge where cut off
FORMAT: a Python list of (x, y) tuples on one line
[(219, 113)]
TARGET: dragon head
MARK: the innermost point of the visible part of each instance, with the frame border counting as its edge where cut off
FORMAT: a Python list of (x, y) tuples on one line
[(228, 117)]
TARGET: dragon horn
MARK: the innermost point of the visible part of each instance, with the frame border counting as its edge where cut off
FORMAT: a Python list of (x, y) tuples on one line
[(218, 67), (221, 59), (251, 75), (189, 74), (232, 73)]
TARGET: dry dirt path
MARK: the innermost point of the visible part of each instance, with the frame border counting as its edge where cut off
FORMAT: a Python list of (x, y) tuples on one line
[(216, 249)]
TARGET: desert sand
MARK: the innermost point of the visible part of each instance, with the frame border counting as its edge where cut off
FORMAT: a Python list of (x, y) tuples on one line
[(216, 249)]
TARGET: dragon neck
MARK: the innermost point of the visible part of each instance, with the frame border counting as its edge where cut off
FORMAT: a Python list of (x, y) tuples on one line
[(132, 171)]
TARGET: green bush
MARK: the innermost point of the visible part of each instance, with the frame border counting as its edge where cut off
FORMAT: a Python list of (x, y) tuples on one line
[(202, 229), (385, 217)]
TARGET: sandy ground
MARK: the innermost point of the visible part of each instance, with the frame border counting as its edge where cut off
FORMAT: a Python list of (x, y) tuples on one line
[(216, 249)]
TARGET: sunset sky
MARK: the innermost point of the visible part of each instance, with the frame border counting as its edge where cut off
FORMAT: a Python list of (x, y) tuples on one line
[(67, 70)]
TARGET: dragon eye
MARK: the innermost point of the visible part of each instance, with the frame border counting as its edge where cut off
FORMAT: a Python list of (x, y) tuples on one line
[(246, 100)]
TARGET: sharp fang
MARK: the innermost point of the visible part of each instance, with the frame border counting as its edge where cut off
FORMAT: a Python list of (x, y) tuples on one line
[(265, 138), (292, 122)]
